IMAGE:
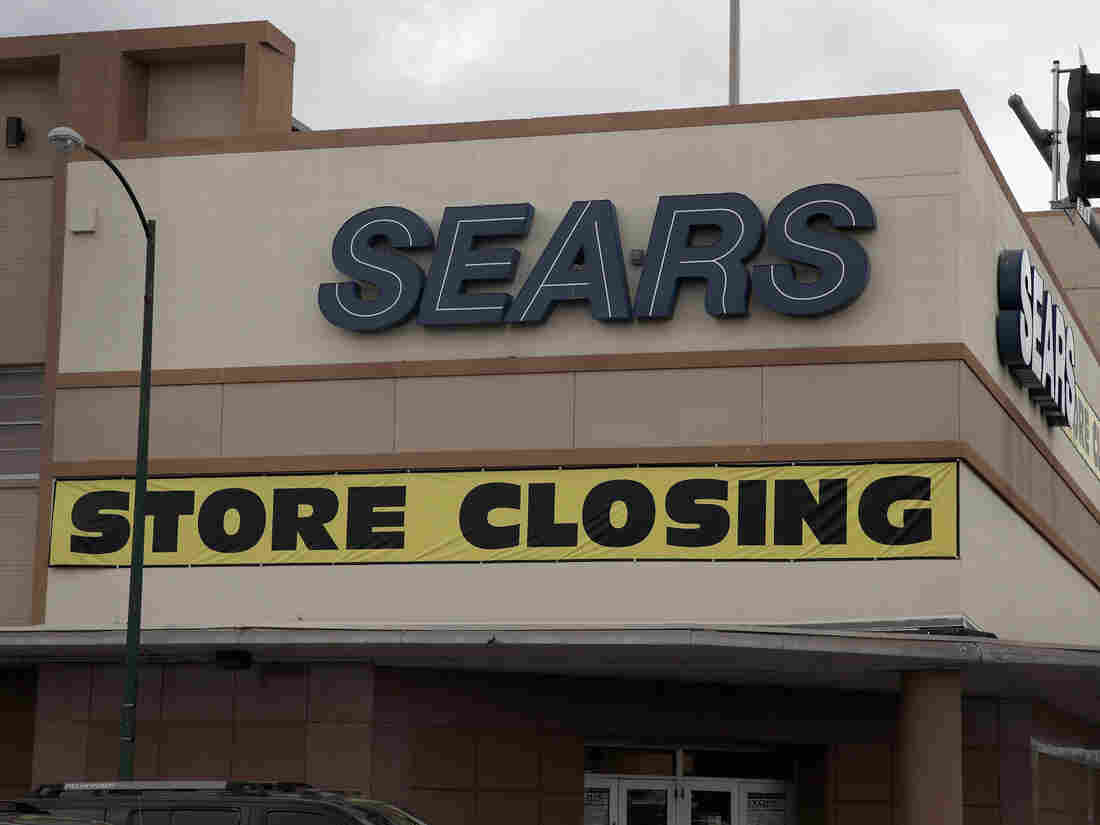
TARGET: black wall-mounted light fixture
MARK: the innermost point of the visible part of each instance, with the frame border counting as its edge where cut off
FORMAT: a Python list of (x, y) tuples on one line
[(14, 132), (233, 659)]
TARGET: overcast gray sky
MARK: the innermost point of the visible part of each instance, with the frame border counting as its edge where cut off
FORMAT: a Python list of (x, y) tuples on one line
[(430, 61)]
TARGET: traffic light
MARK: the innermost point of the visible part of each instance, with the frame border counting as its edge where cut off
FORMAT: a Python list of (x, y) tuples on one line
[(1083, 134)]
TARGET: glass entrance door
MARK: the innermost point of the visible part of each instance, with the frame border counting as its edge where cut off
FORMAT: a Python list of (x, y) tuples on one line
[(619, 800), (708, 802), (647, 802)]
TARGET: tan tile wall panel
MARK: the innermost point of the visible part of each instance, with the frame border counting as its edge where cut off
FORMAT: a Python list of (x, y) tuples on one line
[(101, 756), (17, 718), (18, 529), (341, 693), (64, 692), (862, 772), (508, 759), (443, 758), (308, 195), (339, 756), (26, 227), (861, 402), (194, 750), (276, 751), (668, 407), (96, 422), (980, 722), (269, 694), (444, 807), (391, 764), (561, 809), (485, 412), (194, 100), (981, 769), (507, 807), (108, 683), (981, 815), (197, 693), (61, 751), (33, 96), (309, 417), (562, 763), (852, 813)]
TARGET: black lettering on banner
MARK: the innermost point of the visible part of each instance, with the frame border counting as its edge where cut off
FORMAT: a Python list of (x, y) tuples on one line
[(641, 513), (287, 523), (752, 512), (363, 517), (473, 515), (458, 261), (542, 530), (166, 507), (682, 504), (844, 269), (113, 528), (397, 279), (826, 516), (671, 258), (582, 262), (874, 508), (211, 522)]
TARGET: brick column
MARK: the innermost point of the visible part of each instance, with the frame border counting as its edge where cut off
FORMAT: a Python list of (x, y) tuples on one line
[(930, 786)]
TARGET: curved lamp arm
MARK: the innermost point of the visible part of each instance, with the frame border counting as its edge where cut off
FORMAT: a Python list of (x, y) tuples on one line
[(126, 186)]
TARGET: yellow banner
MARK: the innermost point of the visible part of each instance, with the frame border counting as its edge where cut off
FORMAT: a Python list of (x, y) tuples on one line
[(1085, 432), (864, 511)]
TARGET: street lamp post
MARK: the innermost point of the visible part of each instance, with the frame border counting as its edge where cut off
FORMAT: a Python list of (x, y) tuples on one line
[(67, 139)]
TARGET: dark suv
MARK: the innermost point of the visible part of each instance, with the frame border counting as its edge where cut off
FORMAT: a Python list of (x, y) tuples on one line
[(214, 803), (23, 813)]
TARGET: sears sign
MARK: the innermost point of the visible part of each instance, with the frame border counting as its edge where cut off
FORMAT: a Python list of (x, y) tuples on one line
[(709, 238), (1034, 338)]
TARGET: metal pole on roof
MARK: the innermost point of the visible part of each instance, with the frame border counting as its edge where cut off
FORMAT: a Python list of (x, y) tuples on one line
[(735, 52), (68, 139)]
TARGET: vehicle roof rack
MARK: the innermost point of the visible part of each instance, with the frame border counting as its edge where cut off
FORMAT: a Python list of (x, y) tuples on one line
[(252, 788)]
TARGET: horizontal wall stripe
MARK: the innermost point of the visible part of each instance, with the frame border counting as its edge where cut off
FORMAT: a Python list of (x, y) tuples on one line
[(534, 364)]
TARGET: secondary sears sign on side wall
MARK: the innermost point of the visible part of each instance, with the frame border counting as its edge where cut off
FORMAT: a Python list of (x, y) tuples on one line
[(867, 511)]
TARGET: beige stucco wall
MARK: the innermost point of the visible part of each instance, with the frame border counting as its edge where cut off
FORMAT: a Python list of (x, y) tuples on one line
[(1013, 583), (987, 225), (194, 100), (1007, 579), (244, 239), (562, 594)]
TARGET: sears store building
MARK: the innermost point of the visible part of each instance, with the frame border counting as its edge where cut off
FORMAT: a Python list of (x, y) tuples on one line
[(720, 466)]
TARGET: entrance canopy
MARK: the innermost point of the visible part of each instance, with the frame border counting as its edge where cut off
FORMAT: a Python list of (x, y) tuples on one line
[(844, 658)]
